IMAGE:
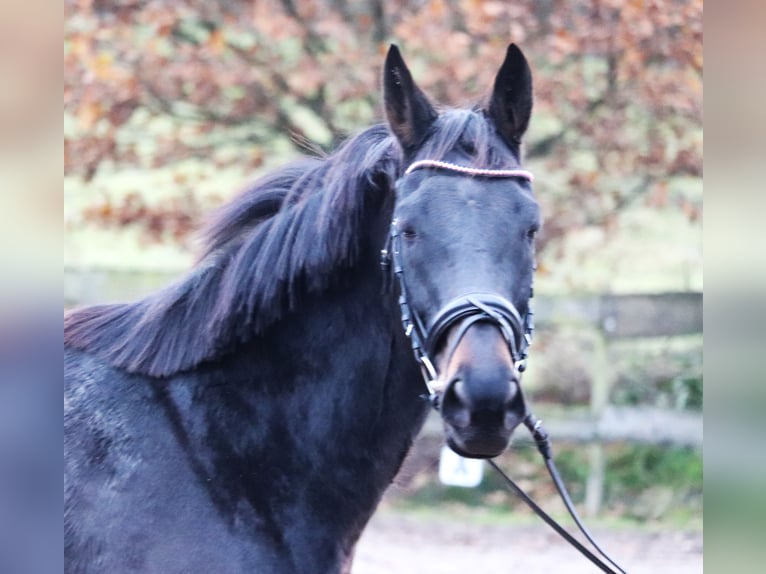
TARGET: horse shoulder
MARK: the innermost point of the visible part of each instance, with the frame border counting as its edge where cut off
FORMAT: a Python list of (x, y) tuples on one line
[(132, 502)]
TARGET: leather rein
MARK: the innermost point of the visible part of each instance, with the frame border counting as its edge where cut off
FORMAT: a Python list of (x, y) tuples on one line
[(517, 331)]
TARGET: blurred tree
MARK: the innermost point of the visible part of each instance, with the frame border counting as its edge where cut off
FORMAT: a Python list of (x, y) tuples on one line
[(618, 87)]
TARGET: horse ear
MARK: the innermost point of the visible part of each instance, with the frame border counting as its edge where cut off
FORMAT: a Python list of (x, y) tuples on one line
[(511, 104), (408, 110)]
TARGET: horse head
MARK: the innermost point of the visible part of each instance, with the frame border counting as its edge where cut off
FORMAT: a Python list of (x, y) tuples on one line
[(462, 247)]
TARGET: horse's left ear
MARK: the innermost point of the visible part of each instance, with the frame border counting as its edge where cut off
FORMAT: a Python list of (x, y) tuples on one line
[(409, 113), (511, 104)]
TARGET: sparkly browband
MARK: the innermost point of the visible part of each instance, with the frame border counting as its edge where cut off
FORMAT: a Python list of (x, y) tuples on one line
[(470, 170)]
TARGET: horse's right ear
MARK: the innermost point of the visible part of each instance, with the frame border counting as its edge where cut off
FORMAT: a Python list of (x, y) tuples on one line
[(408, 110)]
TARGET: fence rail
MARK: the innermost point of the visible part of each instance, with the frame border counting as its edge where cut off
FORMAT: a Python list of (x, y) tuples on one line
[(638, 425)]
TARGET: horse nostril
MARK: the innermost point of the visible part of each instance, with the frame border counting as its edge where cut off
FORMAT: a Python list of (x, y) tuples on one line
[(459, 391), (514, 396), (516, 408), (454, 405)]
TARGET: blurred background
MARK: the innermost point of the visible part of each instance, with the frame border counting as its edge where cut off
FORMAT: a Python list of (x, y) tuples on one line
[(172, 106)]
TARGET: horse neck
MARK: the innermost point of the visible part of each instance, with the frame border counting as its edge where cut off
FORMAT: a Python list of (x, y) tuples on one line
[(323, 406)]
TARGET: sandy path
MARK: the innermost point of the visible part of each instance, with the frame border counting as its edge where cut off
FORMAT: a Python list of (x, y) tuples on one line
[(399, 544)]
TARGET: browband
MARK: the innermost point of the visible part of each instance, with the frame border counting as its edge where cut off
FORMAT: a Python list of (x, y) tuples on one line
[(522, 173)]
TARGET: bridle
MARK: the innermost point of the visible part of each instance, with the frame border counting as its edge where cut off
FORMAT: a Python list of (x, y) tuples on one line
[(466, 309), (517, 331)]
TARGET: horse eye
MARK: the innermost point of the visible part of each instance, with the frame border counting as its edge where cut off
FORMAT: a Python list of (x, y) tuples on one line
[(409, 233), (531, 233), (468, 147)]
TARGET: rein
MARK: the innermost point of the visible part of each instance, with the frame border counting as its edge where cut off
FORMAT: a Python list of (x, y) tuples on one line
[(517, 332)]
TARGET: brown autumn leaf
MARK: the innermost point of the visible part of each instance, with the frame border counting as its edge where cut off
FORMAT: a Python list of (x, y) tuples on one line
[(608, 75)]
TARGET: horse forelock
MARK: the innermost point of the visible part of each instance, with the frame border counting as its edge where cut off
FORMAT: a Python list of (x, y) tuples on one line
[(457, 127)]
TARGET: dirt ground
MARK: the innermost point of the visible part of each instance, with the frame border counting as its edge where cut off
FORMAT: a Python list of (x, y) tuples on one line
[(402, 544)]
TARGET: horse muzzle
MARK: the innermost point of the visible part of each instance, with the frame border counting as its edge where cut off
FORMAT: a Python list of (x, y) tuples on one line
[(479, 429), (480, 342), (482, 402)]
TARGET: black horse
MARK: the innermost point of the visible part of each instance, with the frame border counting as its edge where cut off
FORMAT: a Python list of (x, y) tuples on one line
[(249, 417)]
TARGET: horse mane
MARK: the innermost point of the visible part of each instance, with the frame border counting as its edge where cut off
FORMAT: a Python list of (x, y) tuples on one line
[(284, 237)]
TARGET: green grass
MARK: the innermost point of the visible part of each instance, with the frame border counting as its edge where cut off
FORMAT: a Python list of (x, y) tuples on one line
[(645, 485), (651, 251)]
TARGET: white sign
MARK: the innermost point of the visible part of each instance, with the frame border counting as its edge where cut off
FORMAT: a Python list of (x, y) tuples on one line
[(454, 470)]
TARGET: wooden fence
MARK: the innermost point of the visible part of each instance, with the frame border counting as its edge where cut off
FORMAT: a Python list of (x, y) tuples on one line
[(607, 318)]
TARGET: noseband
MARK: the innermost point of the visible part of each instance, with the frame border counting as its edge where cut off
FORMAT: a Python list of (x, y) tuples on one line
[(465, 311), (469, 309)]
